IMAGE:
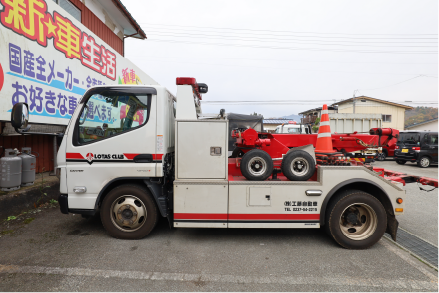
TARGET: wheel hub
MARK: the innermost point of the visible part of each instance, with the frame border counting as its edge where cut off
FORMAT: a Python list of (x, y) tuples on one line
[(299, 166), (128, 213), (352, 218), (257, 166), (358, 221)]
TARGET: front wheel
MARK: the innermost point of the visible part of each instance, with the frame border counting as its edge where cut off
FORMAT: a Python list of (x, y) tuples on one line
[(424, 162), (401, 162), (129, 212), (356, 219)]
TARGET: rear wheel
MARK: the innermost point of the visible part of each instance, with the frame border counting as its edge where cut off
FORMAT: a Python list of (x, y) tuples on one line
[(298, 165), (129, 212), (424, 162), (401, 162), (256, 165), (356, 219)]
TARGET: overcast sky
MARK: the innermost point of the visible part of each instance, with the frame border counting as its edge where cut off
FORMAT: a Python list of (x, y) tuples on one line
[(308, 52)]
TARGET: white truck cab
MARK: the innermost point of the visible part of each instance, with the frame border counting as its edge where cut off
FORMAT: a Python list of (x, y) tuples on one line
[(135, 153), (293, 129)]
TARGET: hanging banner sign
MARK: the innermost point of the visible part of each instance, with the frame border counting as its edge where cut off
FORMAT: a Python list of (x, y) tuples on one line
[(49, 59)]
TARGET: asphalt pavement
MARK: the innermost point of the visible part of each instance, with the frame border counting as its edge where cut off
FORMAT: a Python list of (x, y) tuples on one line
[(54, 252), (421, 207)]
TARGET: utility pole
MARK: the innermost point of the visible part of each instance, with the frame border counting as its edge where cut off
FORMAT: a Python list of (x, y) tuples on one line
[(353, 101)]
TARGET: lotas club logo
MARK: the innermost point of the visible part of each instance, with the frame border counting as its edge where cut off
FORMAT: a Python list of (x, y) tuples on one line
[(89, 158)]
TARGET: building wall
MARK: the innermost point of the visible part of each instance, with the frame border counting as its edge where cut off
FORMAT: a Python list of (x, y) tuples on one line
[(98, 27), (102, 14), (41, 144), (372, 107), (431, 126)]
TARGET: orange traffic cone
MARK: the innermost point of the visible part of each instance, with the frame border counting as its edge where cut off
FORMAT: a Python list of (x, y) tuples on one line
[(324, 139)]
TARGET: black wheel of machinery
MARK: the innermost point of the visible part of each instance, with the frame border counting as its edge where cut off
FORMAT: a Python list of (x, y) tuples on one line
[(129, 212), (355, 219), (298, 165), (256, 165), (237, 153)]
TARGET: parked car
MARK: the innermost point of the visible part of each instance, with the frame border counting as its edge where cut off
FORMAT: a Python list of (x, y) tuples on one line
[(419, 147)]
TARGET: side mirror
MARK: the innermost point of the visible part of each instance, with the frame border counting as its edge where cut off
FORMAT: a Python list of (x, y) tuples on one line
[(20, 117)]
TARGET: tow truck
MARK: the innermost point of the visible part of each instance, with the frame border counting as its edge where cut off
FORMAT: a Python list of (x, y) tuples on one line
[(154, 157)]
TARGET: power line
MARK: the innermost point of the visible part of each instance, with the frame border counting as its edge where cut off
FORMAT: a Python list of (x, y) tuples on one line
[(284, 60), (421, 75), (292, 48), (319, 38), (292, 103), (277, 31), (265, 40), (266, 67)]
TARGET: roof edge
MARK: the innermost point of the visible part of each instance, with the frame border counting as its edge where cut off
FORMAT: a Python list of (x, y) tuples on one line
[(133, 22), (421, 123), (376, 100)]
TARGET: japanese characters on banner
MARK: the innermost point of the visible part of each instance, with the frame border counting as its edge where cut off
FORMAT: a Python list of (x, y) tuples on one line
[(49, 59)]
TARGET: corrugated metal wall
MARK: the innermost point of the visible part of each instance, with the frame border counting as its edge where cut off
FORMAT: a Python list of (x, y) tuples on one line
[(42, 144), (93, 23)]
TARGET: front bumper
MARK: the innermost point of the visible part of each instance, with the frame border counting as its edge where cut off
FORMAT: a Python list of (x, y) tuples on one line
[(63, 201), (410, 156)]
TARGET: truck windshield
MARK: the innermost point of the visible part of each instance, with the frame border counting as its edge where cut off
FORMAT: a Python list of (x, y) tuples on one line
[(409, 138), (110, 113)]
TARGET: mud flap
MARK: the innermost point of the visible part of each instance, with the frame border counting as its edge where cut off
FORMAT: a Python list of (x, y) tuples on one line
[(392, 226)]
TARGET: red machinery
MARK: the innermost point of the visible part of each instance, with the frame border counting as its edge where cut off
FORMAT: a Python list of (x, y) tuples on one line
[(278, 144)]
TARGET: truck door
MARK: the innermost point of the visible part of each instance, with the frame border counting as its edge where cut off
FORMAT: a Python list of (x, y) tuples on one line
[(113, 136)]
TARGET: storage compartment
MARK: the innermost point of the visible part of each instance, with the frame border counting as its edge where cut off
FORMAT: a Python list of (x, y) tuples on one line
[(201, 149), (259, 196)]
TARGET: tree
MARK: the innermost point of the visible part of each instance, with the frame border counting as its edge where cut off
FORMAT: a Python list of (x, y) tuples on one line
[(315, 127)]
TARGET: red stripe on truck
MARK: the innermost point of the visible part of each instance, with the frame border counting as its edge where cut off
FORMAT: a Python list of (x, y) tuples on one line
[(130, 156), (155, 157), (187, 216), (74, 156), (274, 217)]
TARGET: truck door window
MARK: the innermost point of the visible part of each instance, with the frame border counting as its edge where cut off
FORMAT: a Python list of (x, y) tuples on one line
[(111, 113)]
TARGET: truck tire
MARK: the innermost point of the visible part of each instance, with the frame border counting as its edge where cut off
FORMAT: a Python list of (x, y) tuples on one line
[(355, 219), (382, 156), (298, 165), (424, 162), (129, 212), (401, 162), (256, 165)]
